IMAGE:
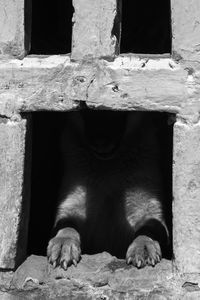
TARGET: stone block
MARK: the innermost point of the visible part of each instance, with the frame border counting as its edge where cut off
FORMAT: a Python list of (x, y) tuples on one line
[(55, 83), (98, 276), (95, 30), (13, 196), (186, 192), (13, 38), (186, 29)]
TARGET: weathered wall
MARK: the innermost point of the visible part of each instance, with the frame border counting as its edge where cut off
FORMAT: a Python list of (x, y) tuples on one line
[(186, 29), (128, 82), (186, 190), (55, 83), (93, 34), (186, 167), (12, 25), (12, 163)]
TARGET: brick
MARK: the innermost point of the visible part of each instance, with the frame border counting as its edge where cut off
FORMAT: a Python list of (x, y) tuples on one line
[(13, 196), (93, 30), (12, 25), (186, 29), (186, 191)]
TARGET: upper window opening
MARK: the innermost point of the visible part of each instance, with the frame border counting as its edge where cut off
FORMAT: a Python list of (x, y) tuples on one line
[(146, 27), (51, 27)]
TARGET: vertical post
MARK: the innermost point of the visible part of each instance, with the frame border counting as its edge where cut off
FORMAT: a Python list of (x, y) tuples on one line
[(186, 29), (186, 191), (15, 18), (14, 191), (96, 29)]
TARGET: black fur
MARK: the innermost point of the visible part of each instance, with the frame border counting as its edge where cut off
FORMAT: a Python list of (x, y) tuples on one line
[(112, 196)]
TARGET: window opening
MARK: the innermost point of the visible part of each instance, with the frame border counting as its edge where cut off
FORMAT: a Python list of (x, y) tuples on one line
[(146, 27), (51, 27), (48, 168)]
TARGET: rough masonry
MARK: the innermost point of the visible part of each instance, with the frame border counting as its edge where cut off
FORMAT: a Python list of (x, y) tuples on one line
[(94, 73)]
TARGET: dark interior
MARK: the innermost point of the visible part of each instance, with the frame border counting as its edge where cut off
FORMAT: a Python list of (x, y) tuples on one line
[(47, 169), (51, 27), (45, 178), (146, 26)]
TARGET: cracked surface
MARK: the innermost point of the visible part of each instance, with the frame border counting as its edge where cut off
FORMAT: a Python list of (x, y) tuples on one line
[(99, 276)]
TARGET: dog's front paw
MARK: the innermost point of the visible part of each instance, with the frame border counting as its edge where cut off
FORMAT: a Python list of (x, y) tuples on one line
[(63, 251), (143, 251)]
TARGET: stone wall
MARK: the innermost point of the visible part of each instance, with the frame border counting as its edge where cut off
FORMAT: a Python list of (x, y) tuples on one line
[(96, 74)]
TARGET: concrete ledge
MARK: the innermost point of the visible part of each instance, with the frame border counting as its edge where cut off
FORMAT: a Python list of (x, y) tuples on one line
[(128, 83), (98, 276)]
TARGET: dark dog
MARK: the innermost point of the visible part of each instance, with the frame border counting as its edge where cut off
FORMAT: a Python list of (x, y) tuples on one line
[(112, 194)]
